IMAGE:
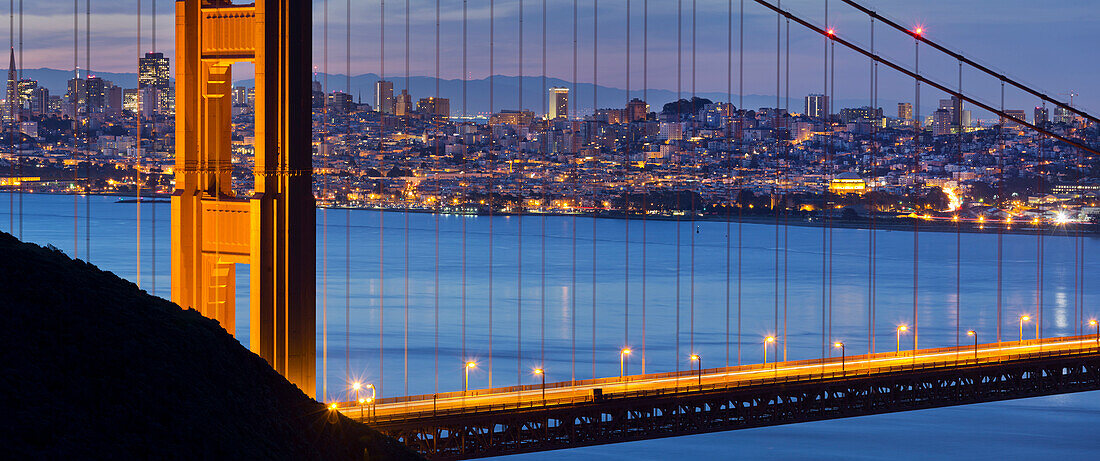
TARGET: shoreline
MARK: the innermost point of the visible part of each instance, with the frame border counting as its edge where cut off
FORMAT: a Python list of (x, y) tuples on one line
[(800, 219)]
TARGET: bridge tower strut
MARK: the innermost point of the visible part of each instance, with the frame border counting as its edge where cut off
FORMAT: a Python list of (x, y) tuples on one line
[(273, 230)]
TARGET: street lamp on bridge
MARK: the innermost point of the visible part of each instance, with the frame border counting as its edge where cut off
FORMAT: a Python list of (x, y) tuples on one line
[(1095, 324), (767, 340), (975, 335), (466, 369), (696, 360), (622, 362), (542, 374), (840, 345), (901, 329), (1023, 318)]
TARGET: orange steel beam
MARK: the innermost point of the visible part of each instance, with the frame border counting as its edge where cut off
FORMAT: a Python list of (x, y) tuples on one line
[(273, 230), (917, 76)]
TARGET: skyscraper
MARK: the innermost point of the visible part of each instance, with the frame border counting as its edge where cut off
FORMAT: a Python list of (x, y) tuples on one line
[(817, 105), (383, 96), (153, 71), (97, 95), (154, 75), (905, 110), (1042, 116), (11, 108), (26, 88), (559, 103), (1062, 115)]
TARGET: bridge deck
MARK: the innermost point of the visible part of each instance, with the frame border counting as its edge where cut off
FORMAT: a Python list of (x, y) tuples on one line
[(487, 422)]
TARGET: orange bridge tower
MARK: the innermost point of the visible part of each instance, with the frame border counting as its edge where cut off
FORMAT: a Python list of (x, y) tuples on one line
[(273, 230)]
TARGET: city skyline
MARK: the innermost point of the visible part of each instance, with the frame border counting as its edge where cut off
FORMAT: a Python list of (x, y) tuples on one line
[(996, 38)]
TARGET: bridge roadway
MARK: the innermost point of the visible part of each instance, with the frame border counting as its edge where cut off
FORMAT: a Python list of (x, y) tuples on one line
[(488, 422)]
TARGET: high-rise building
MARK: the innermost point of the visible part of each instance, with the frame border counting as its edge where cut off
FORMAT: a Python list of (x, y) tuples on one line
[(131, 100), (942, 122), (1062, 115), (1017, 114), (403, 104), (861, 114), (97, 95), (559, 103), (954, 110), (40, 100), (11, 106), (26, 87), (817, 105), (340, 102), (153, 71), (905, 110), (383, 96), (113, 101), (1042, 116), (636, 110), (434, 107)]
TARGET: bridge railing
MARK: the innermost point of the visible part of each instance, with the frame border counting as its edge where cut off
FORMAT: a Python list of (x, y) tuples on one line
[(732, 369), (620, 389)]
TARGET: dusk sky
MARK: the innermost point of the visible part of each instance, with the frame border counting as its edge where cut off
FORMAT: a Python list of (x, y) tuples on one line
[(1049, 44)]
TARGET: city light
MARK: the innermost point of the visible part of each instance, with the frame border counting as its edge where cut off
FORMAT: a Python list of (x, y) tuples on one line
[(901, 329)]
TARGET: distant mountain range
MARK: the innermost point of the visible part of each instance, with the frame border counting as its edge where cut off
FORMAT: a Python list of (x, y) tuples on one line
[(505, 91)]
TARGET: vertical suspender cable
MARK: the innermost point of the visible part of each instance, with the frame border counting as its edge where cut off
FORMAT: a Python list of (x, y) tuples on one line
[(137, 166), (576, 202), (347, 212), (729, 165), (595, 205), (832, 171), (740, 149), (465, 179), (786, 176), (324, 210), (626, 192), (88, 136), (542, 221), (825, 190), (381, 211), (406, 206), (76, 121), (680, 118), (1000, 197), (492, 175), (916, 222), (776, 196), (693, 230), (156, 180), (519, 222), (435, 318), (873, 240), (645, 195)]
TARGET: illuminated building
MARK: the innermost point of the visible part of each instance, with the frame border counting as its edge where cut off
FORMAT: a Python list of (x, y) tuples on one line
[(559, 103), (403, 105), (512, 117), (847, 183), (817, 106), (434, 107), (636, 110), (905, 110), (1042, 116), (11, 108), (383, 96)]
